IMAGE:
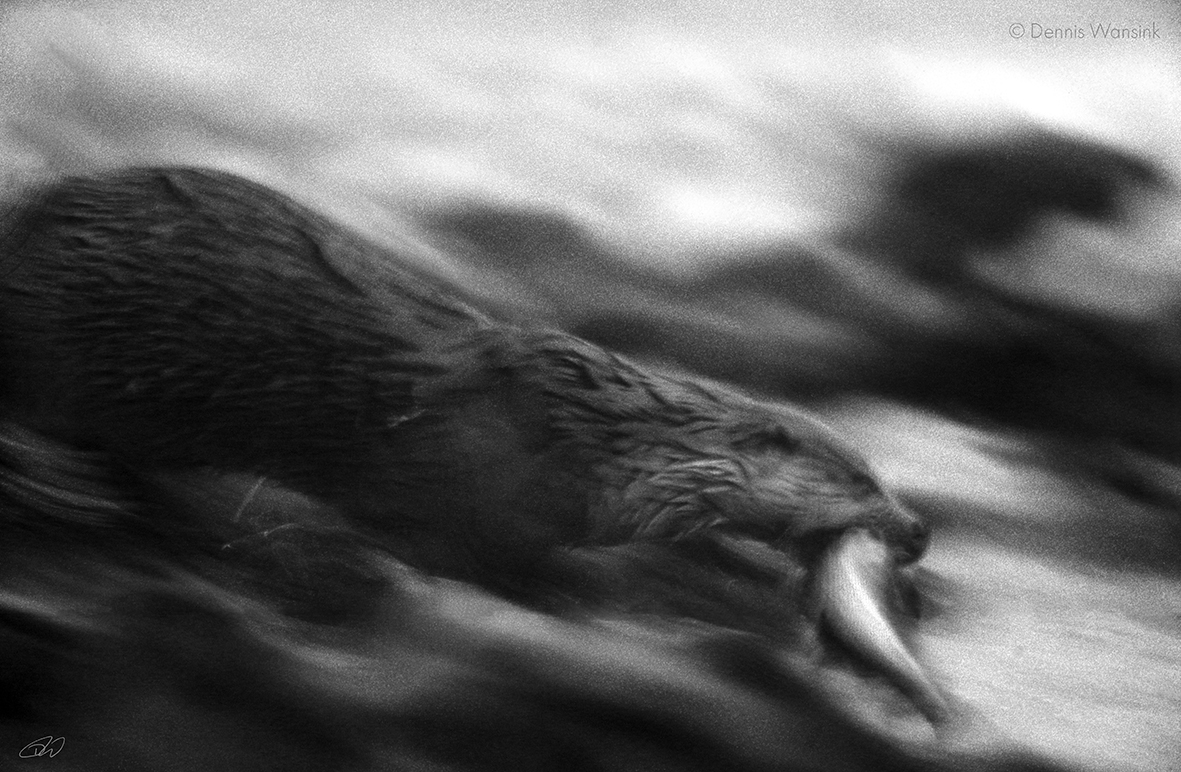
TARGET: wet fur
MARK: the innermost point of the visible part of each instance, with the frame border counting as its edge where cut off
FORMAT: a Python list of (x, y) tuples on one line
[(185, 319)]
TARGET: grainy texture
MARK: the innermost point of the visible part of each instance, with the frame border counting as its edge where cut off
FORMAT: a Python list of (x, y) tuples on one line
[(303, 647), (183, 318)]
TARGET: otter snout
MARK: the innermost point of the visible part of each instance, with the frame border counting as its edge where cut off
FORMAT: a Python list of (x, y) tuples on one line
[(911, 535)]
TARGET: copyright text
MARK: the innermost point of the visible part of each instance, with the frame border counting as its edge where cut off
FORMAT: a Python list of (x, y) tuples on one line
[(1113, 32)]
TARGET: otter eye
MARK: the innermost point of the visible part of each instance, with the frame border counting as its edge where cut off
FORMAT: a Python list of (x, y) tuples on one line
[(864, 482), (768, 439)]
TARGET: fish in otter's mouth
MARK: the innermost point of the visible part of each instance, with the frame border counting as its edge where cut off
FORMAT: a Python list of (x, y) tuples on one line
[(851, 595)]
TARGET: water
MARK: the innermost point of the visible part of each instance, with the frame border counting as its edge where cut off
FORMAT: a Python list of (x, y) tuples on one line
[(676, 133)]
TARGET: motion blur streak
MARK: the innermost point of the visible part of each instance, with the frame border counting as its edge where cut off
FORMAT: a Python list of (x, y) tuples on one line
[(697, 182)]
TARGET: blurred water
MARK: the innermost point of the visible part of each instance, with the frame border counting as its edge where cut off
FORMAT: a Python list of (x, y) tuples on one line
[(668, 129), (661, 124)]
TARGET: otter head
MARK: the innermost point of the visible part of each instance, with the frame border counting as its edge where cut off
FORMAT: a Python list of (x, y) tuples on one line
[(670, 458), (767, 472)]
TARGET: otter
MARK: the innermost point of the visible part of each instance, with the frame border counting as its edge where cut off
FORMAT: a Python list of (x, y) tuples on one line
[(178, 319)]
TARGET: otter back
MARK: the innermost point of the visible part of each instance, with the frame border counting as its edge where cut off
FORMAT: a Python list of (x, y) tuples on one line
[(184, 317)]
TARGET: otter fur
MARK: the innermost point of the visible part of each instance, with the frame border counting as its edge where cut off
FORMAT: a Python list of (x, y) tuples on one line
[(180, 319)]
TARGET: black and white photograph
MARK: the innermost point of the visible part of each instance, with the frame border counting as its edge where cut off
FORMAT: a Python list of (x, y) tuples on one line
[(667, 386)]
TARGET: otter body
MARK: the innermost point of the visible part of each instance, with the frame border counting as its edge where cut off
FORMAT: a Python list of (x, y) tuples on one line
[(179, 320)]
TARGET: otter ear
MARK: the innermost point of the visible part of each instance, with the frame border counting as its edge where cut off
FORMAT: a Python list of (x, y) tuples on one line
[(764, 439)]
